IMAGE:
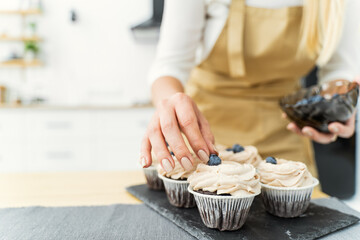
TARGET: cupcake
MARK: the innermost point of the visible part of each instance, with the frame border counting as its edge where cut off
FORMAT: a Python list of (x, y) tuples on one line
[(151, 175), (176, 185), (224, 192), (240, 154), (286, 187)]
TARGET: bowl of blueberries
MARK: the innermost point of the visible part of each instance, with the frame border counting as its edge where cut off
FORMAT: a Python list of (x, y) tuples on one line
[(319, 106)]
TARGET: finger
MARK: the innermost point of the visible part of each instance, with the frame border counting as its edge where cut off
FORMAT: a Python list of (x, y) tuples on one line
[(343, 130), (283, 115), (188, 123), (292, 127), (158, 144), (145, 152), (170, 129), (319, 137), (206, 130)]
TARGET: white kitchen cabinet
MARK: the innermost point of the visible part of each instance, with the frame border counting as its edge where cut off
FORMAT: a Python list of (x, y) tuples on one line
[(64, 156), (71, 139), (118, 137), (44, 124), (115, 155), (12, 125), (12, 157)]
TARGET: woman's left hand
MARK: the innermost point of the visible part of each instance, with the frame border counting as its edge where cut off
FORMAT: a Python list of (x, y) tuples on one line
[(336, 129)]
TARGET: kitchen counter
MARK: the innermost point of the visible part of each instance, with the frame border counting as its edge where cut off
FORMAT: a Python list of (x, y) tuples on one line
[(72, 188)]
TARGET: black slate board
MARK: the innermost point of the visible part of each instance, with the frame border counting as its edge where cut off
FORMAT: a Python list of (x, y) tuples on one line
[(317, 221)]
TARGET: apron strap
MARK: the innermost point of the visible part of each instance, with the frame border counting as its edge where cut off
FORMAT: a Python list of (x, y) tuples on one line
[(236, 38)]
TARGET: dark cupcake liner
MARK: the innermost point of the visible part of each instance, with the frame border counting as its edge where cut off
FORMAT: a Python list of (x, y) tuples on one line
[(177, 192), (286, 202), (152, 179), (226, 213)]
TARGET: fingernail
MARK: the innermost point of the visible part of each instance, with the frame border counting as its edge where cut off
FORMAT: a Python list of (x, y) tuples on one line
[(334, 129), (203, 156), (215, 149), (143, 162), (308, 133), (186, 163), (166, 165), (334, 138)]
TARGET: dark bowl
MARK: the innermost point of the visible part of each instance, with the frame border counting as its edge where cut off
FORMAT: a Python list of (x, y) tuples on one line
[(320, 105)]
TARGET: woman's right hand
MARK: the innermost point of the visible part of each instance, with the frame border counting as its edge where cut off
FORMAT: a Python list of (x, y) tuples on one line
[(175, 115)]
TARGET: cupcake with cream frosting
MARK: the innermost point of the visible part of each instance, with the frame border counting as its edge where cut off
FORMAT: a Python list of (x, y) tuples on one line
[(240, 154), (286, 186), (225, 185), (176, 185)]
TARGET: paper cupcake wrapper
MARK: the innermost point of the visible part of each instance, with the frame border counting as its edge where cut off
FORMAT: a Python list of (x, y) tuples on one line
[(177, 192), (287, 202), (226, 213), (152, 179)]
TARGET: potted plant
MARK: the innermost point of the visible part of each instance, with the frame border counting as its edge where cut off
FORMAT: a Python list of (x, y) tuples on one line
[(31, 50)]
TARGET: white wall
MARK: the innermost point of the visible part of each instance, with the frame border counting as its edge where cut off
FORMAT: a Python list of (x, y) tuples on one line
[(94, 61)]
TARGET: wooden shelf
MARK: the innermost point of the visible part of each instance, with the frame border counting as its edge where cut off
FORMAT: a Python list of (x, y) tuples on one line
[(23, 38), (22, 12), (21, 63)]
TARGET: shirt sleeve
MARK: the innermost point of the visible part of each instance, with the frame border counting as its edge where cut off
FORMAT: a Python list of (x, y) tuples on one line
[(345, 62), (180, 35)]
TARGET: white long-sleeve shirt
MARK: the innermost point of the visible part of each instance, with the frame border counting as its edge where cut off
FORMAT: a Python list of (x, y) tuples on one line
[(190, 29)]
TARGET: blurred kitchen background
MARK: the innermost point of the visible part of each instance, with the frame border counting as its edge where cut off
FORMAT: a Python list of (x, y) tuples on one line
[(73, 91)]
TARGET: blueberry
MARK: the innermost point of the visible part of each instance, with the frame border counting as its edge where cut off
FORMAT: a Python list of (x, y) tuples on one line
[(237, 148), (229, 149), (316, 98), (214, 160), (301, 102), (335, 95), (172, 153), (271, 160)]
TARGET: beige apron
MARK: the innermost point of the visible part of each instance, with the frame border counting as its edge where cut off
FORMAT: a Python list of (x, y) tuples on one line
[(254, 63)]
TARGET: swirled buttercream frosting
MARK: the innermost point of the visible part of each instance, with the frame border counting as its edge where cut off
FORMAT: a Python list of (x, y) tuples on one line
[(250, 155), (285, 174), (227, 178)]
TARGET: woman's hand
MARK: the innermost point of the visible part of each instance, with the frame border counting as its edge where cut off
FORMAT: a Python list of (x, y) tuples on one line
[(336, 129), (175, 115)]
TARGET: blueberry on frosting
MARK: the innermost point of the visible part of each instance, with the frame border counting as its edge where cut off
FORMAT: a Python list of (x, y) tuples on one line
[(271, 160), (214, 160), (238, 148)]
